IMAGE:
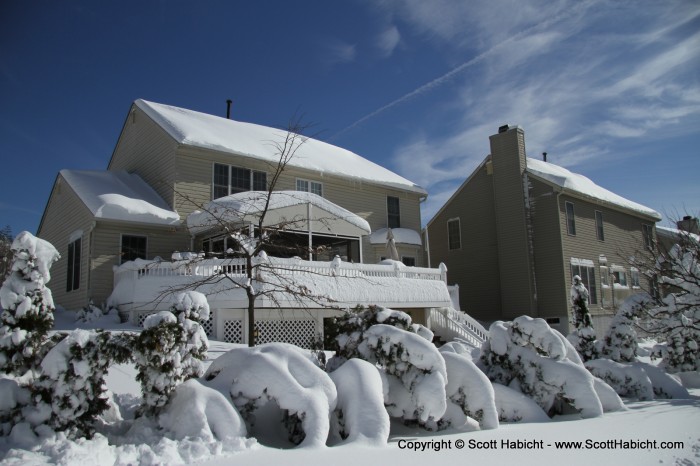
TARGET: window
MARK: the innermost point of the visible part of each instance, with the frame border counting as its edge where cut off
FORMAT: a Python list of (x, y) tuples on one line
[(231, 180), (599, 225), (619, 276), (310, 187), (454, 234), (570, 219), (393, 211), (584, 268), (409, 261), (133, 247), (634, 277), (73, 272), (648, 235)]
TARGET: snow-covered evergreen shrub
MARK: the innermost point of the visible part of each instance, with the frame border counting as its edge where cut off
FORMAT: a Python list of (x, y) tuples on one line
[(470, 391), (282, 373), (157, 358), (584, 341), (170, 349), (414, 369), (197, 411), (72, 387), (27, 305), (359, 415), (627, 380), (620, 342), (526, 354), (579, 303)]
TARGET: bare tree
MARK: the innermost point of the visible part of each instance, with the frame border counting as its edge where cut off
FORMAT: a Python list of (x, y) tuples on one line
[(672, 267), (245, 218)]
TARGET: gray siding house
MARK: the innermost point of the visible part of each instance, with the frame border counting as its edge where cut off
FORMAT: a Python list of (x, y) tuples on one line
[(518, 229)]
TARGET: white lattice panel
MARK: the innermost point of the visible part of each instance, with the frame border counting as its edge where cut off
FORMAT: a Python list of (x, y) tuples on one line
[(296, 332), (142, 317), (233, 331)]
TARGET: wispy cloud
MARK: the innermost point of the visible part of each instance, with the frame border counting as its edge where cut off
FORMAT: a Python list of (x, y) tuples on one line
[(581, 77), (340, 52), (388, 40)]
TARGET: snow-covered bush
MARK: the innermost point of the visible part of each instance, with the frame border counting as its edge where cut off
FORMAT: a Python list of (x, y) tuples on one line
[(170, 349), (579, 303), (470, 391), (620, 342), (413, 368), (678, 313), (197, 411), (526, 354), (71, 389), (584, 341), (637, 379), (359, 415), (513, 406), (282, 373), (627, 380), (27, 305)]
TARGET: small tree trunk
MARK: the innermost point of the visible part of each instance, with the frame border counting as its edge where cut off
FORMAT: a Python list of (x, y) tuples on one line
[(251, 301)]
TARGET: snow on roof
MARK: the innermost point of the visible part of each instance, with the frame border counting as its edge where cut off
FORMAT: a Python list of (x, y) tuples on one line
[(401, 236), (118, 195), (236, 207), (580, 184), (212, 132), (675, 234)]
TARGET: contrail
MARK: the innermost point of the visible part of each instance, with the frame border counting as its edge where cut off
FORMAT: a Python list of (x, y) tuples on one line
[(447, 76)]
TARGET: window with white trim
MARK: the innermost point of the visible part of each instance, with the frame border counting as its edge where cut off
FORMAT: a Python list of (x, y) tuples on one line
[(619, 275), (634, 277), (73, 272), (228, 179), (570, 219), (409, 261), (585, 269), (454, 234), (393, 212), (310, 186)]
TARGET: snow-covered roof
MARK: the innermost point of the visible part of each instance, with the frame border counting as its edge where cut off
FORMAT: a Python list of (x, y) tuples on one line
[(212, 132), (675, 233), (401, 236), (118, 195), (242, 207), (581, 185)]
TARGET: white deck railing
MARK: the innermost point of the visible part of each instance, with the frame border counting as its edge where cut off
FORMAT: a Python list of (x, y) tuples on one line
[(140, 269)]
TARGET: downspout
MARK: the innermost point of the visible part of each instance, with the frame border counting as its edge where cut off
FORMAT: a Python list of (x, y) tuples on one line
[(427, 244), (91, 242), (427, 238)]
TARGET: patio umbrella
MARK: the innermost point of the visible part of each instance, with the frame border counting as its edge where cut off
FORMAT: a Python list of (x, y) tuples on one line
[(391, 245)]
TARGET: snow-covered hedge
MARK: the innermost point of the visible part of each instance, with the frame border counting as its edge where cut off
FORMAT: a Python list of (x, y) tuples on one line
[(470, 391), (414, 371), (527, 355), (284, 374), (620, 341), (27, 305), (170, 349), (359, 415)]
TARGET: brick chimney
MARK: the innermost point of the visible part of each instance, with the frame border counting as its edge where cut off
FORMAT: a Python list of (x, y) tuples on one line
[(689, 224)]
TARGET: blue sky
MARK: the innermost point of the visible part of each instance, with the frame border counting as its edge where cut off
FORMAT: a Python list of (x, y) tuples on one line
[(609, 89)]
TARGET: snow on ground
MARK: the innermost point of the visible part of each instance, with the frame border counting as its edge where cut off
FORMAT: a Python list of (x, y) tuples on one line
[(640, 431)]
